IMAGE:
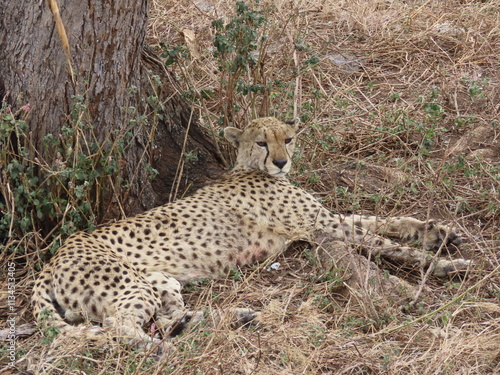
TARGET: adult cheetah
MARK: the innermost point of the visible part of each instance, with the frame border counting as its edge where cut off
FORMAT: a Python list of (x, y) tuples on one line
[(130, 272)]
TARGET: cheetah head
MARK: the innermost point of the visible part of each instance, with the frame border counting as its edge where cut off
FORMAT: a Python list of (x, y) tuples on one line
[(265, 144)]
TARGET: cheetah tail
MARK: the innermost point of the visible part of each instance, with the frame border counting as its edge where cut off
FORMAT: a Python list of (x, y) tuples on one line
[(44, 302)]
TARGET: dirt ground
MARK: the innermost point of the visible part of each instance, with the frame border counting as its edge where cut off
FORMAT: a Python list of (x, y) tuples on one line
[(400, 105)]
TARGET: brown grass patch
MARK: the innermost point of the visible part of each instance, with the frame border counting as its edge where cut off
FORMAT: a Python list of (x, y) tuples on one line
[(400, 117)]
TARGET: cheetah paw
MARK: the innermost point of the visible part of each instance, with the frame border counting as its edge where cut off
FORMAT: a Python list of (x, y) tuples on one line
[(245, 317), (445, 268)]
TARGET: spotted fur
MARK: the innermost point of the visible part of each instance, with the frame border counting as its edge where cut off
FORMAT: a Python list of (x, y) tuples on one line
[(129, 273)]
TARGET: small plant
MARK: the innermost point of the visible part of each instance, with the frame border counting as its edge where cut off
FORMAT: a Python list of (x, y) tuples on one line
[(49, 332), (173, 54), (317, 334), (239, 46), (59, 190), (235, 275), (432, 106), (313, 178), (476, 86)]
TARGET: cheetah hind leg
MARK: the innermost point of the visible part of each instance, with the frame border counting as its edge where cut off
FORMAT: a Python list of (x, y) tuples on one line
[(130, 330), (156, 298), (173, 319)]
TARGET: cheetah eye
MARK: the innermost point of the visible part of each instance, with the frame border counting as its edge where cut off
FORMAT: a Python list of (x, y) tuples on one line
[(262, 144), (288, 140)]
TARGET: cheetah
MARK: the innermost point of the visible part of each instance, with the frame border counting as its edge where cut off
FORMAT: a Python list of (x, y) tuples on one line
[(129, 273)]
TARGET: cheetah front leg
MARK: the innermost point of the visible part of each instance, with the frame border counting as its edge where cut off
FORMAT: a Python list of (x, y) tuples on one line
[(382, 247), (407, 255), (429, 233)]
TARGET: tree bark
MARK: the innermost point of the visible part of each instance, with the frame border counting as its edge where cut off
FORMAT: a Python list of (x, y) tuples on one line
[(110, 79)]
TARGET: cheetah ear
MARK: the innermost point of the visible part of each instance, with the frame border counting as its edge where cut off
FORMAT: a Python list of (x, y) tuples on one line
[(233, 135), (294, 122)]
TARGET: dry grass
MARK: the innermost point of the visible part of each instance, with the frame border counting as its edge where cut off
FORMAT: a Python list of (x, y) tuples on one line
[(401, 118)]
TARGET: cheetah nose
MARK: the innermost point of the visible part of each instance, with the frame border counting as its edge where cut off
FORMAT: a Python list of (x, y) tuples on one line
[(280, 163)]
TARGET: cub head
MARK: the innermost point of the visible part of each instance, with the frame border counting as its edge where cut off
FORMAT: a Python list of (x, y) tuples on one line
[(265, 144)]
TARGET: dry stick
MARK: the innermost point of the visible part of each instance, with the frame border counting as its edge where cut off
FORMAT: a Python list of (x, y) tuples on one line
[(12, 206), (426, 275), (115, 193), (180, 164), (298, 79), (54, 8), (434, 259), (259, 355), (460, 296)]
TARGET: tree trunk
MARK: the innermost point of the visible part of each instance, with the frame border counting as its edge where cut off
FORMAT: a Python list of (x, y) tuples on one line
[(107, 96)]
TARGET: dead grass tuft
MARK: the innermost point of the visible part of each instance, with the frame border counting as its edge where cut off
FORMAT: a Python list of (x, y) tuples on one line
[(400, 108)]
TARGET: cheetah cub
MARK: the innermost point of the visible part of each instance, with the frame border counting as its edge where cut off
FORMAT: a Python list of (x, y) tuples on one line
[(130, 273)]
